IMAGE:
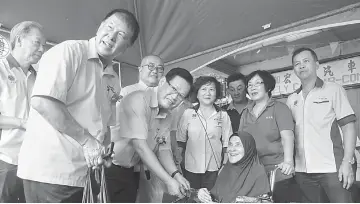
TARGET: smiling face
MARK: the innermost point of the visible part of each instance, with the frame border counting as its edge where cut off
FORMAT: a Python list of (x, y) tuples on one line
[(113, 37), (235, 149), (207, 94), (256, 89), (305, 65), (237, 90), (172, 93)]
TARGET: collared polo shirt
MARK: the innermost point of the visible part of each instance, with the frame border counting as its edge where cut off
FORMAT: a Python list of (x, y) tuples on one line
[(135, 87), (198, 131), (234, 116), (318, 144), (124, 92), (72, 73), (140, 119), (266, 129), (15, 92)]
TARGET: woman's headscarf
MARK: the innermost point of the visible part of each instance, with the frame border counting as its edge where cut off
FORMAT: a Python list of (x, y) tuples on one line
[(247, 177)]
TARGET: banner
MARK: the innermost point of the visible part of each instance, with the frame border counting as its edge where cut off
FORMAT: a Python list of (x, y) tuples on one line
[(343, 72)]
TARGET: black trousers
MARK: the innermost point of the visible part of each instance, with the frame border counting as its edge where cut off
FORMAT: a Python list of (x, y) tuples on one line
[(202, 180), (286, 191), (122, 184), (37, 192), (313, 185), (11, 186)]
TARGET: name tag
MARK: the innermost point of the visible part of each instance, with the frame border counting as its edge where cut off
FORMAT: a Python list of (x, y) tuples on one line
[(321, 100)]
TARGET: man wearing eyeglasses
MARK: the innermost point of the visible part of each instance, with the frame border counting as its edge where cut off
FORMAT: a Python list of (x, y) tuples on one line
[(151, 70), (143, 134)]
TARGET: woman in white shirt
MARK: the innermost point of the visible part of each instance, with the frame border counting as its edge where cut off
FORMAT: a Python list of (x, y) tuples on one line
[(203, 134)]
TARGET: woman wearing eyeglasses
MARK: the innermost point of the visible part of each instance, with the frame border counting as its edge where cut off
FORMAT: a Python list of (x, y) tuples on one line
[(271, 124), (203, 133)]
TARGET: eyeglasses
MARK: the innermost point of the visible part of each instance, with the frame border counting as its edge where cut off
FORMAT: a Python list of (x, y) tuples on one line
[(257, 84), (181, 96), (152, 67)]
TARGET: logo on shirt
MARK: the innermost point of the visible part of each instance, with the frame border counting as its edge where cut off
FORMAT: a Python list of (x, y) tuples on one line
[(114, 96), (11, 78), (269, 117), (4, 47), (218, 121), (193, 115), (295, 103)]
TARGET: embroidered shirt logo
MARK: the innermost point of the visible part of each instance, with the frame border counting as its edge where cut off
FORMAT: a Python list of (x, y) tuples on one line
[(295, 103), (11, 78), (4, 47), (115, 96), (269, 117)]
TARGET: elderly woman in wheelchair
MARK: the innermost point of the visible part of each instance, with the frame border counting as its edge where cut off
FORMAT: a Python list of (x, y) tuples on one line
[(243, 178)]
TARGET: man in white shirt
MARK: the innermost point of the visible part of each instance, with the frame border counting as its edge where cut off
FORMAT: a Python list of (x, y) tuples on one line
[(17, 78), (150, 72), (324, 160), (72, 105)]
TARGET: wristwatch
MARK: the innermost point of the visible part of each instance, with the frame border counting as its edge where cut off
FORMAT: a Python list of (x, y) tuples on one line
[(174, 173)]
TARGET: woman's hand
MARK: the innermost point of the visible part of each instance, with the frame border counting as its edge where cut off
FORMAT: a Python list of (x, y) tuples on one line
[(286, 168), (204, 195)]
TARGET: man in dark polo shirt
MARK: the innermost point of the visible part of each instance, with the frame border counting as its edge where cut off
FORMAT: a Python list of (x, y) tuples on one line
[(237, 90)]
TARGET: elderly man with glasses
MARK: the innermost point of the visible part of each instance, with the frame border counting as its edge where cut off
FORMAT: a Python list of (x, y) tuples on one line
[(150, 72), (143, 134)]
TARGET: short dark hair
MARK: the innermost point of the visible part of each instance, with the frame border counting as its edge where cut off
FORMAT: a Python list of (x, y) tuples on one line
[(202, 80), (180, 72), (130, 20), (236, 77), (268, 79), (302, 49)]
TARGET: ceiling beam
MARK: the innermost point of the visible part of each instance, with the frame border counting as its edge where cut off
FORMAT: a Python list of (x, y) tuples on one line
[(223, 66), (199, 60)]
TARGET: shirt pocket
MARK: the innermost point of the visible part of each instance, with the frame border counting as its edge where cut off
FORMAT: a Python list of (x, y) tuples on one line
[(319, 109)]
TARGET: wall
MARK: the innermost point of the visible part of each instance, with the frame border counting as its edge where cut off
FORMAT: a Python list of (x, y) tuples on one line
[(129, 75)]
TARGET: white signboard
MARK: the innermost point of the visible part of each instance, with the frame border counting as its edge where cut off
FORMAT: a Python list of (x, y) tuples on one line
[(343, 72)]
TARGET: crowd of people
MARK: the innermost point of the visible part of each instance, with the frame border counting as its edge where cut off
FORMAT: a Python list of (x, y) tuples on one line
[(56, 124)]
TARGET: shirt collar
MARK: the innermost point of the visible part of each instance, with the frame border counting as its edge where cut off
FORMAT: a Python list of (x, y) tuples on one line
[(251, 104), (197, 106), (14, 63), (92, 53), (109, 70), (231, 106), (318, 84), (142, 84), (154, 103)]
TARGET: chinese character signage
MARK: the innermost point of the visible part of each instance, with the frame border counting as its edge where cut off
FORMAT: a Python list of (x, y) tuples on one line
[(343, 72)]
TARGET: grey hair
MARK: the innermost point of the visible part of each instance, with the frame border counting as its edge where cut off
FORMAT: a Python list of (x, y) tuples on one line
[(21, 29)]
